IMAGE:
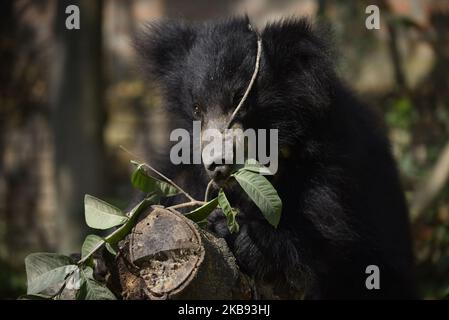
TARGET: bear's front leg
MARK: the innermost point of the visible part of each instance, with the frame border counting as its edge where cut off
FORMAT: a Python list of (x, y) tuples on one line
[(268, 255)]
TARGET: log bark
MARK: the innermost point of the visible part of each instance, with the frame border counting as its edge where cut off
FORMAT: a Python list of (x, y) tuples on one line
[(167, 256)]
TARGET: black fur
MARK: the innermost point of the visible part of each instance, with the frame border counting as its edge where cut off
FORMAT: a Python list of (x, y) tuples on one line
[(343, 208)]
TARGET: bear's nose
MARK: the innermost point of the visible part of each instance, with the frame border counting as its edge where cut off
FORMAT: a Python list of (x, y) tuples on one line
[(218, 172)]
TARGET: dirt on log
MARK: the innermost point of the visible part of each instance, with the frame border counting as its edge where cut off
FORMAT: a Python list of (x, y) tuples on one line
[(167, 256)]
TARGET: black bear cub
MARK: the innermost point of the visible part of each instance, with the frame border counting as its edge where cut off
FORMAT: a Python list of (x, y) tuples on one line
[(343, 208)]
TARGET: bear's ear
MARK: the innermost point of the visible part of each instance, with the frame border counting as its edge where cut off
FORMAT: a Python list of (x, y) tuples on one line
[(163, 45), (291, 44)]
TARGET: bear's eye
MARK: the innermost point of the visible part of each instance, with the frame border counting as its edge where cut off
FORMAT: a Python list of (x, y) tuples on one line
[(197, 110)]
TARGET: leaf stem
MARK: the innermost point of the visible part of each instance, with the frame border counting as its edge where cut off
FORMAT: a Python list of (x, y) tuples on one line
[(187, 204), (251, 83), (159, 174), (119, 233), (208, 188)]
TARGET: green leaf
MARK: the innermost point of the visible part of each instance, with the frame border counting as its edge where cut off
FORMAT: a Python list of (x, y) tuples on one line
[(123, 230), (202, 212), (111, 249), (91, 243), (75, 281), (45, 270), (87, 273), (202, 223), (254, 166), (102, 215), (146, 183), (92, 289), (263, 194), (228, 211)]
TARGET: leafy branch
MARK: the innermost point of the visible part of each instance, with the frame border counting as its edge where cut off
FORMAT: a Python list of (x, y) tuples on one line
[(158, 173), (49, 274)]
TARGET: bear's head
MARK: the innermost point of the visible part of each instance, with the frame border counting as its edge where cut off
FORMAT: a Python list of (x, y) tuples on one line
[(205, 68)]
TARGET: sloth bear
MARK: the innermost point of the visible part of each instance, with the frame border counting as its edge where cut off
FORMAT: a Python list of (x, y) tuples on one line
[(343, 208)]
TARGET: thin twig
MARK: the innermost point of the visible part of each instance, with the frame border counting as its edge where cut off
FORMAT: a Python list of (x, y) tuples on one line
[(251, 83), (206, 194), (160, 174), (187, 204)]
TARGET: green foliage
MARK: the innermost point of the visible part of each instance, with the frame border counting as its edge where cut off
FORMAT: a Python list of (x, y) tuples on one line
[(254, 166), (111, 248), (262, 193), (49, 272), (102, 215), (229, 212), (91, 289), (146, 183), (121, 232), (257, 187), (47, 269), (91, 243), (202, 212)]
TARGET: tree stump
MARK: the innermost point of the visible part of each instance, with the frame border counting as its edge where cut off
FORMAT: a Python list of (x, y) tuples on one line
[(167, 256)]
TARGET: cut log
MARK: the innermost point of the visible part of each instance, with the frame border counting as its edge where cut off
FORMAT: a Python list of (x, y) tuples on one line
[(167, 256)]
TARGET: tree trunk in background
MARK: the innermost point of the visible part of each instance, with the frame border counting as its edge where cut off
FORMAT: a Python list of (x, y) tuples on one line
[(79, 117)]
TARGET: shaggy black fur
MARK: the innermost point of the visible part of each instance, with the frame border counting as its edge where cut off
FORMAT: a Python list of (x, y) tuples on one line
[(343, 208)]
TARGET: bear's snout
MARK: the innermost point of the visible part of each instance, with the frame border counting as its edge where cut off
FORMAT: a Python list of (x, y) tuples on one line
[(218, 172)]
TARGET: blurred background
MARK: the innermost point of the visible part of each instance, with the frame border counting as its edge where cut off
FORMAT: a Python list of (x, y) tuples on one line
[(70, 98)]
